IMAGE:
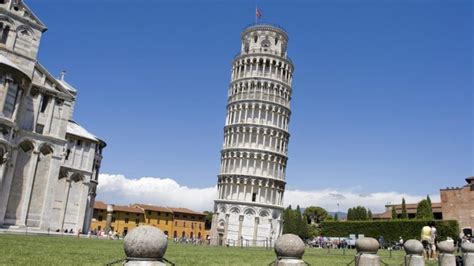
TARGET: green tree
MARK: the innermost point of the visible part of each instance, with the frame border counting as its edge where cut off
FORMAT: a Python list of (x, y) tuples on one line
[(369, 215), (423, 211), (315, 214), (404, 209), (208, 219), (358, 213), (394, 213), (301, 226), (430, 207), (289, 226)]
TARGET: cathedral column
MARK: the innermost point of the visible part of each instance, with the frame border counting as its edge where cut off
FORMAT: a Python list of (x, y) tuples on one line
[(30, 181), (255, 230), (239, 235)]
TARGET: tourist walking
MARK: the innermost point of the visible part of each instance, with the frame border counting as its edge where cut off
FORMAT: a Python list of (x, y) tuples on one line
[(425, 240)]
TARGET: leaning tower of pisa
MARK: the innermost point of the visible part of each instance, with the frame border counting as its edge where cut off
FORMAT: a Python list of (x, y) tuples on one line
[(251, 182)]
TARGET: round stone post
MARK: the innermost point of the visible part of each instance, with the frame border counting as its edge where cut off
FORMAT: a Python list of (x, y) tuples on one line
[(467, 253), (414, 253), (367, 249), (289, 249), (446, 254), (145, 246)]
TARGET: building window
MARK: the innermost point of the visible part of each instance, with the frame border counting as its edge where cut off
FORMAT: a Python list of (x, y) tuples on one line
[(158, 213), (99, 218), (68, 152), (254, 197), (126, 220), (44, 103), (79, 143), (149, 212), (167, 214), (5, 32), (39, 129)]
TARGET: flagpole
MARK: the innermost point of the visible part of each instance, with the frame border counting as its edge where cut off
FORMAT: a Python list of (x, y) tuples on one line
[(256, 11)]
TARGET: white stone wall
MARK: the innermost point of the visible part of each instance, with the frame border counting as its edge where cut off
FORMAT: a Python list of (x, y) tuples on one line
[(39, 187), (251, 181)]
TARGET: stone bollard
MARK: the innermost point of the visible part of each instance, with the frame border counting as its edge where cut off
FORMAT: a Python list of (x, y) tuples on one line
[(367, 248), (289, 249), (467, 249), (145, 246), (446, 254), (414, 250)]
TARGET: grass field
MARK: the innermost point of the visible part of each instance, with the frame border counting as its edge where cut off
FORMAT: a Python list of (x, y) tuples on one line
[(58, 250)]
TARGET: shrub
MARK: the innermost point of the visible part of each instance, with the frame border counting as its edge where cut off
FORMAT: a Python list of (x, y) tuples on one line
[(391, 230)]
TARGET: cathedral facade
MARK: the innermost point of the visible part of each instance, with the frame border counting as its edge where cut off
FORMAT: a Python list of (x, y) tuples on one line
[(49, 164), (251, 182)]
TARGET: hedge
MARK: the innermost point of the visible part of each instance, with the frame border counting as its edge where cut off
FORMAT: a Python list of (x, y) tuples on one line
[(390, 230)]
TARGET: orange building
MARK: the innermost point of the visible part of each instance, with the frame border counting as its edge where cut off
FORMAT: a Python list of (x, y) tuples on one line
[(124, 218), (188, 223), (158, 216), (174, 222)]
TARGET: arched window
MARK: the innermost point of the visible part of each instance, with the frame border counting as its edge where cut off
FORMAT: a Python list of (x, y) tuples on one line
[(5, 32), (183, 234), (26, 146), (255, 38)]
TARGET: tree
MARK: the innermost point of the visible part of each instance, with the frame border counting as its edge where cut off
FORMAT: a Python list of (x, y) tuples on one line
[(208, 219), (394, 213), (358, 213), (289, 226), (430, 207), (404, 209), (369, 215), (315, 214), (301, 226), (423, 211)]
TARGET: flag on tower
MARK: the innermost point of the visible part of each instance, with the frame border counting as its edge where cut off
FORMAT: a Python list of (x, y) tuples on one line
[(258, 14)]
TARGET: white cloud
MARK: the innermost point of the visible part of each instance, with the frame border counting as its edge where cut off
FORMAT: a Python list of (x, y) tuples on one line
[(118, 189)]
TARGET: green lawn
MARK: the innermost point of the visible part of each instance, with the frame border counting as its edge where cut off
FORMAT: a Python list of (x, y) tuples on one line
[(57, 250)]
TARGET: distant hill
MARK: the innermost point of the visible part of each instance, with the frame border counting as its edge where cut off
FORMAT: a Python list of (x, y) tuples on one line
[(340, 215)]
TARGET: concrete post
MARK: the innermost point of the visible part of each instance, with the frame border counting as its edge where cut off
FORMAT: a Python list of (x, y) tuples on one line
[(467, 253), (367, 249), (108, 221), (145, 246), (289, 249), (414, 251), (446, 254)]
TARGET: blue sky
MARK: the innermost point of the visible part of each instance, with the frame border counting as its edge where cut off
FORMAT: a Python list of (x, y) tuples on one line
[(382, 89)]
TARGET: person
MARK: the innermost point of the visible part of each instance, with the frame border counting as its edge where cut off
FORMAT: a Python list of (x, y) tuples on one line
[(400, 242), (381, 242), (425, 240), (433, 241)]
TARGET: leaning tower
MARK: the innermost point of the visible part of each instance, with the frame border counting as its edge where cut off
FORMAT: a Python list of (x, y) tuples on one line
[(251, 182)]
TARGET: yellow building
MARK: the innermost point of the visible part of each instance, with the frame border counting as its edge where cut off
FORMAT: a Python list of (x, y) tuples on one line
[(174, 222), (124, 218), (188, 223), (158, 216)]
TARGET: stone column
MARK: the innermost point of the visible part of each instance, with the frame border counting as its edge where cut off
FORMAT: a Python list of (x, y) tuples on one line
[(226, 227), (367, 252), (468, 254), (446, 254), (30, 182), (239, 236), (255, 231), (414, 253), (108, 223)]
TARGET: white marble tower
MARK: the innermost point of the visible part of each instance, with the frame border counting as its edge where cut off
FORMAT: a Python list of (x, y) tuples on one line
[(251, 183)]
